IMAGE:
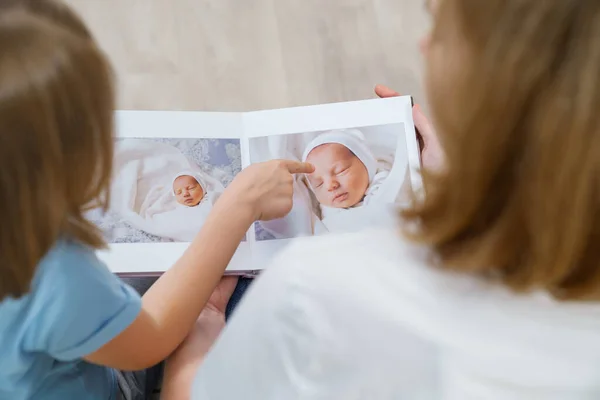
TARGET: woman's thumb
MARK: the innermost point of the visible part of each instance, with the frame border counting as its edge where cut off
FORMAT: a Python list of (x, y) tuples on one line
[(422, 123)]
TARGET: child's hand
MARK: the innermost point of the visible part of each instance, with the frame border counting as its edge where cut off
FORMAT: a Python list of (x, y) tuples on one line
[(432, 155), (267, 187)]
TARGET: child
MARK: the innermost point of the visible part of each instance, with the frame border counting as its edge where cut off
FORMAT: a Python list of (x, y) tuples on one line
[(188, 190), (346, 171), (70, 329)]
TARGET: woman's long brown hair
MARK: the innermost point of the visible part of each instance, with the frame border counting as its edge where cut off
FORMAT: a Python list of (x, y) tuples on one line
[(520, 198)]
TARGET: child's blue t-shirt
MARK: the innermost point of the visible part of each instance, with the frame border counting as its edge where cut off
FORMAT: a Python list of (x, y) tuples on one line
[(74, 307)]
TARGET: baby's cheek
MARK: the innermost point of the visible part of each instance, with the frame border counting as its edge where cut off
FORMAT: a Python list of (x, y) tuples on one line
[(358, 183), (361, 178), (352, 180), (321, 197)]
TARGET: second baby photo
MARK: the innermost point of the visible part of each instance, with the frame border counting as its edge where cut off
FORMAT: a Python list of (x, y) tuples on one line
[(355, 169)]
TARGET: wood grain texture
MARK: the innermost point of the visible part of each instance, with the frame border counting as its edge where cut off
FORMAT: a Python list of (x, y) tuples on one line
[(241, 55)]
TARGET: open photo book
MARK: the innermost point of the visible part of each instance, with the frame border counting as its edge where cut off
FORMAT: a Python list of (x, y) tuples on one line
[(170, 168)]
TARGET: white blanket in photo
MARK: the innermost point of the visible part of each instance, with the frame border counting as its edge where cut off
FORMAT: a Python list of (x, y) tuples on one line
[(142, 190), (381, 192), (359, 218)]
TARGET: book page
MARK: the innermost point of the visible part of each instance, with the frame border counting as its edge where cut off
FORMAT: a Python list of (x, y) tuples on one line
[(366, 158), (170, 168)]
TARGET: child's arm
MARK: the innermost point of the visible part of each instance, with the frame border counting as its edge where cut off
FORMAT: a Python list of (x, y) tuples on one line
[(172, 305)]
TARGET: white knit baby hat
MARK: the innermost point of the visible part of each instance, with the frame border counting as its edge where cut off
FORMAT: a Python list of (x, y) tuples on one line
[(188, 173), (353, 140)]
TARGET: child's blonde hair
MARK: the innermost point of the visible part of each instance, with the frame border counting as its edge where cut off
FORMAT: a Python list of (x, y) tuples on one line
[(56, 136), (520, 200)]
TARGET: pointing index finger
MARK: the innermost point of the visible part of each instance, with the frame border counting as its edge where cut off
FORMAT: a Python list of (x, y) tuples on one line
[(297, 167)]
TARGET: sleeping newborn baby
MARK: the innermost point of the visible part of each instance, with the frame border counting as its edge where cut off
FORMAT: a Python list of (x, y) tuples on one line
[(344, 168), (188, 190), (346, 172), (180, 220)]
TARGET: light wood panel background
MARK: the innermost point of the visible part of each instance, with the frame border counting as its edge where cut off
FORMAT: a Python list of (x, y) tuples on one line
[(241, 55)]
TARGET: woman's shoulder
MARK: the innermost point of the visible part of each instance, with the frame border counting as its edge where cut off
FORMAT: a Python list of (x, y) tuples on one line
[(380, 276), (386, 257), (349, 252), (353, 264)]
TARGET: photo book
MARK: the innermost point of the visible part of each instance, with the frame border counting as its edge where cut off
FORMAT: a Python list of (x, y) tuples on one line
[(170, 167)]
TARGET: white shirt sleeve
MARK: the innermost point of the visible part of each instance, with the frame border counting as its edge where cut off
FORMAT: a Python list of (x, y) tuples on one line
[(364, 316), (305, 331)]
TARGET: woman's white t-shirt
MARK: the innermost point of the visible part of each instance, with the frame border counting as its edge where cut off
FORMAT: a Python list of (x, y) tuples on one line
[(366, 316)]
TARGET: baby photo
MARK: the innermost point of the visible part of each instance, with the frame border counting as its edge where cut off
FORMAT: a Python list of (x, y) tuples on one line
[(356, 169), (163, 189)]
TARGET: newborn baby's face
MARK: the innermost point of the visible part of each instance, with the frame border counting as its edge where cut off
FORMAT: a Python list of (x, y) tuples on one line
[(188, 191), (340, 179)]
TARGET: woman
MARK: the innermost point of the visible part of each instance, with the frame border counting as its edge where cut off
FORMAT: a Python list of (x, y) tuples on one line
[(489, 289)]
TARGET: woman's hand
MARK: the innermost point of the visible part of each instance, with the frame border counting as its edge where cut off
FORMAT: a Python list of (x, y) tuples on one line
[(432, 155), (267, 187), (182, 365)]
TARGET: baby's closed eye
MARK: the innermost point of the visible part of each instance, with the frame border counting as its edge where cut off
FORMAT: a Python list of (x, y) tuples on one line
[(341, 171), (316, 183)]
